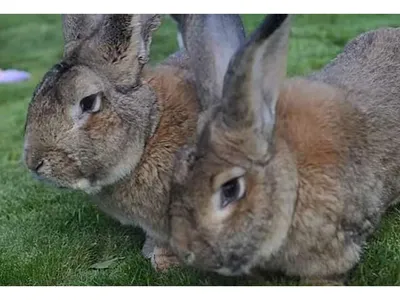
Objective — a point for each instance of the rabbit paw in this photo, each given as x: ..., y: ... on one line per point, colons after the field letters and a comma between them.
x: 162, y: 259
x: 148, y: 247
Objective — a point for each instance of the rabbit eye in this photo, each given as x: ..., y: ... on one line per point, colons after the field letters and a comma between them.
x: 90, y: 103
x: 232, y: 190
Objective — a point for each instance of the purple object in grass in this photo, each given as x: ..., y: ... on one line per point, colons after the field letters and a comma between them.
x: 13, y: 76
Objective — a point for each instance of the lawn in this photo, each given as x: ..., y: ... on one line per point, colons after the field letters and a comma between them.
x: 52, y: 237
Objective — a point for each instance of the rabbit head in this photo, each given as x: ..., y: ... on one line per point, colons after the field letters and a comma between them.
x: 90, y: 115
x: 235, y: 189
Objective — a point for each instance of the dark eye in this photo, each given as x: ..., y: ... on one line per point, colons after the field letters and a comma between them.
x: 232, y: 190
x: 90, y: 103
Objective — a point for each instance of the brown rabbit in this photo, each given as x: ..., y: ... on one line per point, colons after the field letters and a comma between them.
x: 292, y: 175
x: 102, y: 122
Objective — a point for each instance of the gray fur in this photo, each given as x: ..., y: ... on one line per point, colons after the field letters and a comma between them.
x: 79, y: 27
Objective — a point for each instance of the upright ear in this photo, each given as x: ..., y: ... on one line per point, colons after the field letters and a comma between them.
x: 253, y: 80
x: 150, y: 23
x: 210, y: 41
x: 78, y: 27
x: 120, y: 47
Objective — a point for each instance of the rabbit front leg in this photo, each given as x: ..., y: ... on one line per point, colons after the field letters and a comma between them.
x: 148, y: 247
x: 161, y: 257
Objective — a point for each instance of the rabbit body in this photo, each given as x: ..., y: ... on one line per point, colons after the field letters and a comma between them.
x: 347, y: 156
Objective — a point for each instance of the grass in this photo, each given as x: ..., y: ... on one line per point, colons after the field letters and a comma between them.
x: 49, y: 237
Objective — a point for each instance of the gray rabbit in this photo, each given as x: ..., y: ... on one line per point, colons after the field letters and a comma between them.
x: 104, y: 122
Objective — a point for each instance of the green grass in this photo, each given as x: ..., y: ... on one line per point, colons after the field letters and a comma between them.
x: 49, y: 237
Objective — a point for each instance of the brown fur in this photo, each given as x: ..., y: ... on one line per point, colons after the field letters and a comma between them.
x: 178, y: 108
x: 309, y: 117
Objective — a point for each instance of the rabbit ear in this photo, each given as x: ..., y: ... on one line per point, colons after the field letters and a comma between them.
x: 78, y: 27
x: 149, y: 23
x: 210, y: 41
x: 120, y: 47
x: 253, y: 80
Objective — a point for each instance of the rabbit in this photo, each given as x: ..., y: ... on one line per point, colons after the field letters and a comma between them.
x: 291, y: 175
x: 102, y: 121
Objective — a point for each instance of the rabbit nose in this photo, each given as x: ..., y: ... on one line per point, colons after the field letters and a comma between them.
x: 33, y: 163
x: 39, y: 165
